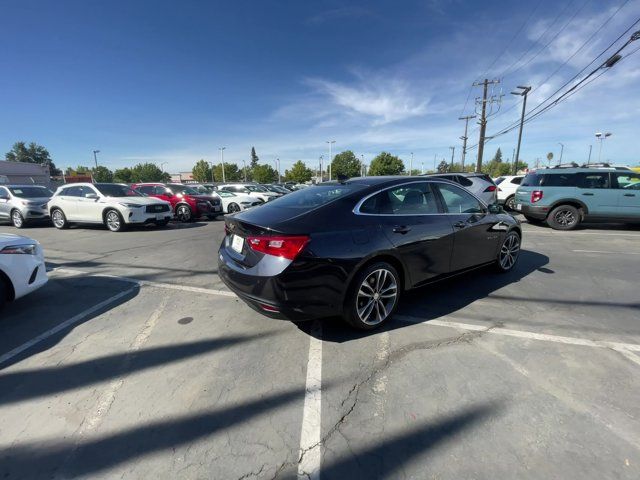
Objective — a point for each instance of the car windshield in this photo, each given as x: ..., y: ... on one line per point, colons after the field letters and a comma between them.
x: 31, y: 192
x: 314, y: 196
x: 116, y: 190
x: 256, y: 188
x: 184, y: 189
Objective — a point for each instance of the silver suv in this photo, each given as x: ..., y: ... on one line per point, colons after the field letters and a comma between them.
x: 480, y: 184
x: 24, y: 203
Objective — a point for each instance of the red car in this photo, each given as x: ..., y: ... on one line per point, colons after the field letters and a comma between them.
x: 188, y: 204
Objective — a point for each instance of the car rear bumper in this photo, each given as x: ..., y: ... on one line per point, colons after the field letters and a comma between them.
x: 533, y: 211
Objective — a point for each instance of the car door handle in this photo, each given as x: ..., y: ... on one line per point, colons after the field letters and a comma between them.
x: 629, y: 194
x: 588, y: 194
x: 460, y: 224
x: 401, y: 229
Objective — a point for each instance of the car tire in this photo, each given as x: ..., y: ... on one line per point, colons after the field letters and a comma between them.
x: 114, y: 221
x: 510, y: 203
x: 564, y: 217
x: 17, y: 219
x: 374, y: 296
x: 59, y: 219
x: 184, y: 213
x: 233, y: 208
x: 509, y: 252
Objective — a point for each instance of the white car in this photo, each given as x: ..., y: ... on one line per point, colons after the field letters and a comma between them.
x: 112, y: 204
x: 507, y: 187
x: 22, y: 268
x: 255, y: 191
x: 236, y: 202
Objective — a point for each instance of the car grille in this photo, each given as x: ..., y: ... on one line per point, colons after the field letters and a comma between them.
x: 157, y: 208
x: 214, y: 202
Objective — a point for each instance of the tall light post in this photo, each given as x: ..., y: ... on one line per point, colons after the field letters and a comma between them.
x: 244, y: 167
x: 561, y: 151
x: 321, y: 175
x: 523, y: 93
x: 601, y: 136
x: 330, y: 142
x: 276, y: 163
x: 364, y: 168
x: 453, y: 150
x: 222, y: 149
x: 422, y: 168
x: 411, y: 164
x: 589, y: 157
x: 95, y: 157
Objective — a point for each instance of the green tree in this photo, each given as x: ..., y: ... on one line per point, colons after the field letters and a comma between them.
x: 148, y: 172
x: 201, y: 171
x: 102, y: 174
x: 33, y: 153
x: 254, y: 158
x: 299, y: 173
x: 347, y: 164
x: 443, y: 167
x: 549, y: 157
x: 386, y: 164
x: 264, y: 174
x: 231, y: 172
x: 123, y: 175
x: 498, y: 156
x: 416, y: 172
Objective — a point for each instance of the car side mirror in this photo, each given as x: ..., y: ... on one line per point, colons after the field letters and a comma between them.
x: 494, y: 208
x: 92, y: 196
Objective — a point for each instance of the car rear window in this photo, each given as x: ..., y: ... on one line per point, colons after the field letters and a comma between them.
x: 516, y: 180
x: 313, y: 196
x: 465, y: 182
x: 31, y: 192
x: 499, y: 180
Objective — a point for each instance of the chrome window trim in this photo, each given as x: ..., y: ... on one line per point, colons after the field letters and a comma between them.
x: 356, y: 209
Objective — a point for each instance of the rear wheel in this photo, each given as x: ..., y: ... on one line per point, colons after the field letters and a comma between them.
x: 509, y: 252
x: 17, y: 219
x: 183, y: 213
x: 564, y: 217
x: 374, y: 296
x: 233, y: 207
x: 114, y: 221
x: 510, y: 203
x: 59, y: 219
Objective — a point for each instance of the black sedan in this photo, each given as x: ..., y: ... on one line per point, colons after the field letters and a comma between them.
x: 350, y: 248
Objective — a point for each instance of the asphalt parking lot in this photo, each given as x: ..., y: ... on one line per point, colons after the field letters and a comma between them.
x: 134, y: 361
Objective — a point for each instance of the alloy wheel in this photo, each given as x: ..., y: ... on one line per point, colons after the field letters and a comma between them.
x: 377, y: 296
x: 509, y: 251
x: 511, y: 203
x: 233, y: 208
x: 113, y: 221
x: 565, y: 218
x: 183, y: 213
x: 58, y: 218
x: 16, y: 218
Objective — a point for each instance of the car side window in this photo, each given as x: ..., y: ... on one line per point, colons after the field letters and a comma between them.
x: 146, y: 189
x: 593, y: 180
x: 4, y: 193
x: 464, y: 181
x: 627, y: 180
x: 408, y: 199
x: 458, y: 200
x: 72, y: 192
x: 516, y: 181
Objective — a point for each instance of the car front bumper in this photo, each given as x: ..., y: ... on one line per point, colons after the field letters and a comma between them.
x: 26, y: 272
x: 141, y: 217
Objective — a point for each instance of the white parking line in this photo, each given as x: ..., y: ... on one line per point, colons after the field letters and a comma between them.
x: 310, y: 436
x: 563, y: 234
x: 61, y: 326
x: 148, y: 283
x: 604, y: 252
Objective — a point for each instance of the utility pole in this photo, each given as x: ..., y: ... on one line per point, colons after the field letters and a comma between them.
x: 589, y: 159
x: 364, y: 168
x: 330, y: 142
x: 464, y: 138
x: 524, y: 92
x: 224, y: 180
x: 95, y: 157
x: 483, y: 117
x: 321, y: 173
x: 453, y: 149
x: 244, y: 167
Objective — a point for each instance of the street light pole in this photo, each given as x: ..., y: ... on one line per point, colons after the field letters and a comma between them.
x: 453, y: 149
x: 561, y: 151
x: 601, y: 136
x: 364, y: 170
x: 525, y: 91
x: 224, y: 179
x: 589, y: 158
x: 95, y: 157
x: 244, y: 165
x: 411, y: 165
x: 330, y: 142
x: 464, y: 138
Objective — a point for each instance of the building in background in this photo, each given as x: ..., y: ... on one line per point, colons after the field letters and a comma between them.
x: 24, y: 173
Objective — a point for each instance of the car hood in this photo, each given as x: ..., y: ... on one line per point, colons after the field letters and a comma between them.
x: 13, y: 239
x: 37, y: 200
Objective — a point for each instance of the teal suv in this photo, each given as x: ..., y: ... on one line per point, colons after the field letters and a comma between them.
x: 564, y: 197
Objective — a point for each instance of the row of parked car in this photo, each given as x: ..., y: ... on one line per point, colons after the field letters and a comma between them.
x: 116, y: 205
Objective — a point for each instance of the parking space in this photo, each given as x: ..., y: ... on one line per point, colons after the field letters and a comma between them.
x: 134, y: 361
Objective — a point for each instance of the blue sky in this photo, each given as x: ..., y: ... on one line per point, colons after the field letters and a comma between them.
x: 171, y: 81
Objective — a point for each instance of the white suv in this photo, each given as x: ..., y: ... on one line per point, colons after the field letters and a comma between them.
x: 507, y: 187
x: 255, y: 191
x: 112, y: 204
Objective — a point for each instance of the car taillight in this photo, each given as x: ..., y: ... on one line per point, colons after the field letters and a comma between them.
x: 490, y: 188
x: 536, y: 196
x: 279, y: 246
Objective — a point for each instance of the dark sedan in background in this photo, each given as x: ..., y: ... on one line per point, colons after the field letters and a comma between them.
x: 350, y: 248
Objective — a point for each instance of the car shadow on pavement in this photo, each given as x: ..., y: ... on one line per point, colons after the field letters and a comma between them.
x: 439, y: 299
x: 58, y: 307
x: 24, y: 385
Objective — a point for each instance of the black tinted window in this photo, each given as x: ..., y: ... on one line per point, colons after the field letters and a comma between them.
x: 72, y: 192
x: 465, y: 182
x: 515, y: 181
x: 458, y: 200
x: 30, y: 192
x: 593, y: 180
x: 559, y: 180
x: 146, y: 189
x: 312, y: 197
x: 411, y: 199
x: 531, y: 179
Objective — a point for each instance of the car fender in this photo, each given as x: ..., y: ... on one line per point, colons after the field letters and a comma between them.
x: 576, y: 201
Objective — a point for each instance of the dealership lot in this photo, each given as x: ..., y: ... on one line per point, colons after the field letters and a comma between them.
x: 135, y: 361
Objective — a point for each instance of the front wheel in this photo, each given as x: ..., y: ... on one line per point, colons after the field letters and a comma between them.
x: 59, y: 219
x: 183, y: 213
x: 233, y: 208
x: 17, y: 219
x: 509, y: 252
x: 564, y: 217
x: 114, y: 221
x: 374, y: 296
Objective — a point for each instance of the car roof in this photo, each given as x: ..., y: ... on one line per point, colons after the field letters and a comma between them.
x: 462, y: 174
x: 14, y: 185
x: 384, y: 180
x: 573, y: 170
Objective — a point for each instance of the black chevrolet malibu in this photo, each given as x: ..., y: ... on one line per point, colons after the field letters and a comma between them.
x: 350, y: 248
